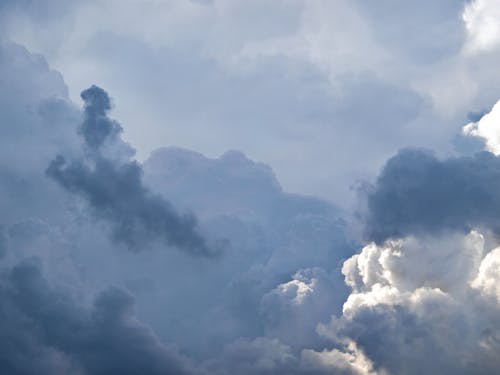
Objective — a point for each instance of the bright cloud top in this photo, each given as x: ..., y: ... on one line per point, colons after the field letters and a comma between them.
x: 424, y: 305
x: 487, y: 128
x: 482, y: 21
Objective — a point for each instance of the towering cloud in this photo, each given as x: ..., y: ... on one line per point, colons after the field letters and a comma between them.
x: 424, y: 295
x: 290, y: 295
x: 112, y: 185
x: 423, y: 306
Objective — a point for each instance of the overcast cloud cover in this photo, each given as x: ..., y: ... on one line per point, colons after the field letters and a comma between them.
x: 249, y: 187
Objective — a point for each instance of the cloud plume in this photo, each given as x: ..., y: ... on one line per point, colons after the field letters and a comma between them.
x: 114, y: 189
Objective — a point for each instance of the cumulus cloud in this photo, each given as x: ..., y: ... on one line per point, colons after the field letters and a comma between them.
x: 424, y: 296
x: 260, y: 356
x: 427, y: 285
x: 45, y: 331
x: 272, y: 234
x: 114, y: 188
x: 269, y: 356
x: 487, y: 128
x: 311, y: 296
x: 482, y: 23
x: 487, y: 277
x: 36, y: 122
x: 418, y: 193
x: 416, y: 299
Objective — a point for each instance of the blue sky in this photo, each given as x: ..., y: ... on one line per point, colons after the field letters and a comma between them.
x: 249, y: 187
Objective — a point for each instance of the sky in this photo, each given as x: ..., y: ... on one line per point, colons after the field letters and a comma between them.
x: 297, y: 187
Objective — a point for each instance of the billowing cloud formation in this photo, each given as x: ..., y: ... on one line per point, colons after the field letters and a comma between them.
x: 273, y: 235
x: 481, y: 19
x: 418, y: 193
x: 217, y: 312
x: 487, y: 127
x: 45, y: 332
x: 114, y: 188
x: 427, y: 284
x: 424, y: 295
x: 423, y: 306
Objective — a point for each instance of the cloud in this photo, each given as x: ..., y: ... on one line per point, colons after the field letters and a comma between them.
x: 272, y: 234
x: 427, y: 285
x: 482, y: 25
x: 200, y: 307
x: 311, y: 296
x: 46, y: 332
x: 3, y: 242
x: 114, y: 189
x: 261, y: 356
x: 97, y: 127
x: 417, y: 193
x: 487, y: 128
x: 423, y: 306
x: 348, y: 361
x: 36, y: 122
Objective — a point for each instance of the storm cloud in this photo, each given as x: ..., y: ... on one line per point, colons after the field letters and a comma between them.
x: 46, y: 332
x: 418, y: 193
x: 114, y: 188
x: 301, y: 289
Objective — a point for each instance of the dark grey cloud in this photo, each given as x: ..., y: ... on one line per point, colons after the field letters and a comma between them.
x: 97, y: 127
x: 418, y: 193
x: 137, y: 216
x: 398, y: 340
x: 114, y: 189
x: 45, y: 332
x: 272, y: 234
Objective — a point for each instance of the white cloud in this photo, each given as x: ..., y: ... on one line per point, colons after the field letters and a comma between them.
x: 423, y: 305
x: 487, y: 128
x: 482, y: 21
x: 488, y: 278
x: 350, y: 361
